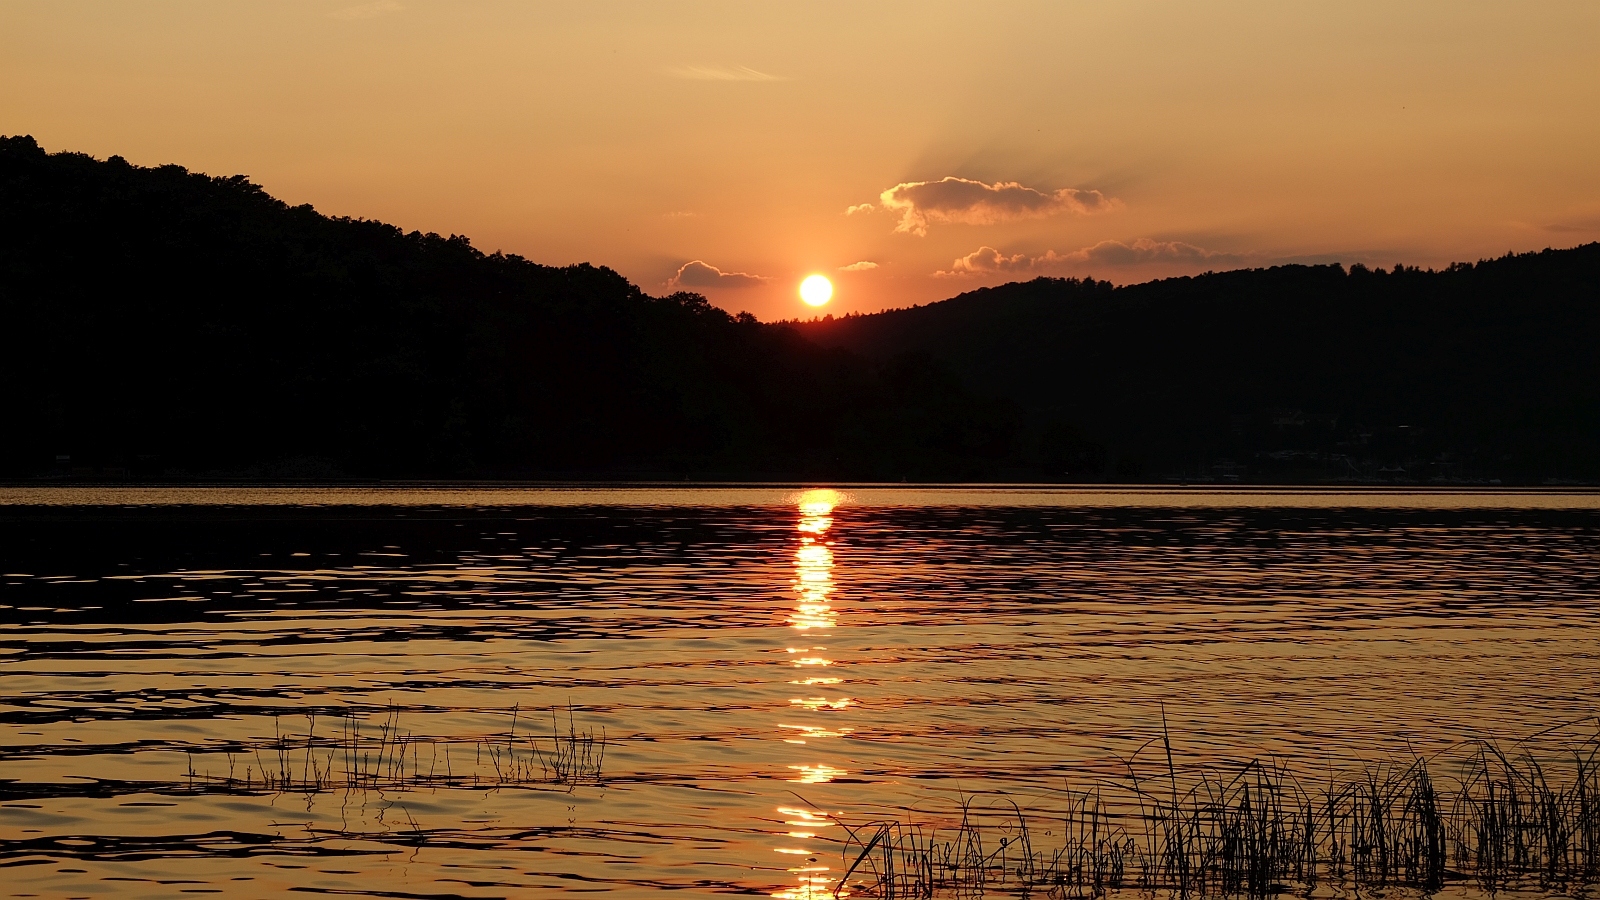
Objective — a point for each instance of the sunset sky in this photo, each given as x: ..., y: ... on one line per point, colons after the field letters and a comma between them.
x: 908, y: 151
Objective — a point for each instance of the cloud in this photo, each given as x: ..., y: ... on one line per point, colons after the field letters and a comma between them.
x: 700, y: 274
x: 860, y: 208
x: 1143, y: 250
x: 1575, y: 226
x: 722, y: 73
x: 988, y: 261
x: 366, y: 10
x: 862, y: 266
x: 975, y: 203
x: 985, y: 260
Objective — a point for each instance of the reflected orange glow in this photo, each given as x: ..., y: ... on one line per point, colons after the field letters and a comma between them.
x: 814, y: 561
x: 813, y: 609
x: 809, y: 817
x: 821, y: 773
x: 811, y: 887
x: 823, y: 702
x: 819, y: 502
x: 809, y: 732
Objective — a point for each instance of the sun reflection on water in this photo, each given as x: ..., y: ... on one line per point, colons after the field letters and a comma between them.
x: 822, y: 702
x: 813, y: 611
x: 811, y: 887
x: 812, y: 881
x: 814, y: 731
x: 814, y: 583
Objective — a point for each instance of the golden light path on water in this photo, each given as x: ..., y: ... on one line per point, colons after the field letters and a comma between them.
x: 812, y: 618
x: 772, y: 672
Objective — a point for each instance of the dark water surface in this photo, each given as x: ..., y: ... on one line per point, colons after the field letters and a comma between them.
x: 763, y: 664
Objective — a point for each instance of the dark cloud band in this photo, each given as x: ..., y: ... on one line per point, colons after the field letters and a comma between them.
x: 959, y: 200
x: 988, y: 260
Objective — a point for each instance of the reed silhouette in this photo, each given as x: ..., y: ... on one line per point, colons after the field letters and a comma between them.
x: 383, y: 756
x: 1484, y: 814
x: 1494, y: 817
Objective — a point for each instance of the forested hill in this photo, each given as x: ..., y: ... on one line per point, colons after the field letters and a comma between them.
x: 1295, y: 373
x: 162, y: 323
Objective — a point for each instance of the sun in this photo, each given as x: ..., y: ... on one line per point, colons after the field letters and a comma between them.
x: 816, y: 290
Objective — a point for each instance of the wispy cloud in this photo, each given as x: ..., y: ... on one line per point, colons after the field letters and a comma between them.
x: 976, y: 203
x: 862, y: 266
x: 860, y: 208
x: 367, y: 10
x: 1590, y: 225
x: 1144, y: 250
x: 988, y: 260
x: 722, y: 73
x: 700, y: 274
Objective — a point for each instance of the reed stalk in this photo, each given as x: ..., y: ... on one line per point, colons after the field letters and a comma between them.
x: 381, y: 755
x: 1480, y: 814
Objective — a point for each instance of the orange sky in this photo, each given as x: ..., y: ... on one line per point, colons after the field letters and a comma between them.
x: 992, y: 141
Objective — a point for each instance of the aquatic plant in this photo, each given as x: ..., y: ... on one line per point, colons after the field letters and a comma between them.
x: 1256, y: 828
x: 359, y: 755
x: 575, y: 757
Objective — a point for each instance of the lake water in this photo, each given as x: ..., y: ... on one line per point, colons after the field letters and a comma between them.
x: 763, y: 666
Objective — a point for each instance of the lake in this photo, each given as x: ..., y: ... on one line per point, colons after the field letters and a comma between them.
x: 439, y: 692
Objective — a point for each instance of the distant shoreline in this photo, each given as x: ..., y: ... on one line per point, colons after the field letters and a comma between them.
x: 785, y: 494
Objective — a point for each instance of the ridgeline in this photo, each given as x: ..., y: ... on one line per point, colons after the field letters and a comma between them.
x: 166, y: 324
x: 1295, y: 374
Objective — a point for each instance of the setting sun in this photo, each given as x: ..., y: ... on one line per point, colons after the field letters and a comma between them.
x: 816, y: 290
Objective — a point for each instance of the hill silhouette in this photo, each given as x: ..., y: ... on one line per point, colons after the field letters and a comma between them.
x: 167, y: 324
x: 1479, y: 372
x: 162, y: 323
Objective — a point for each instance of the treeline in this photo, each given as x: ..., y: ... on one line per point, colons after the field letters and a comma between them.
x: 1479, y: 372
x: 162, y: 323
